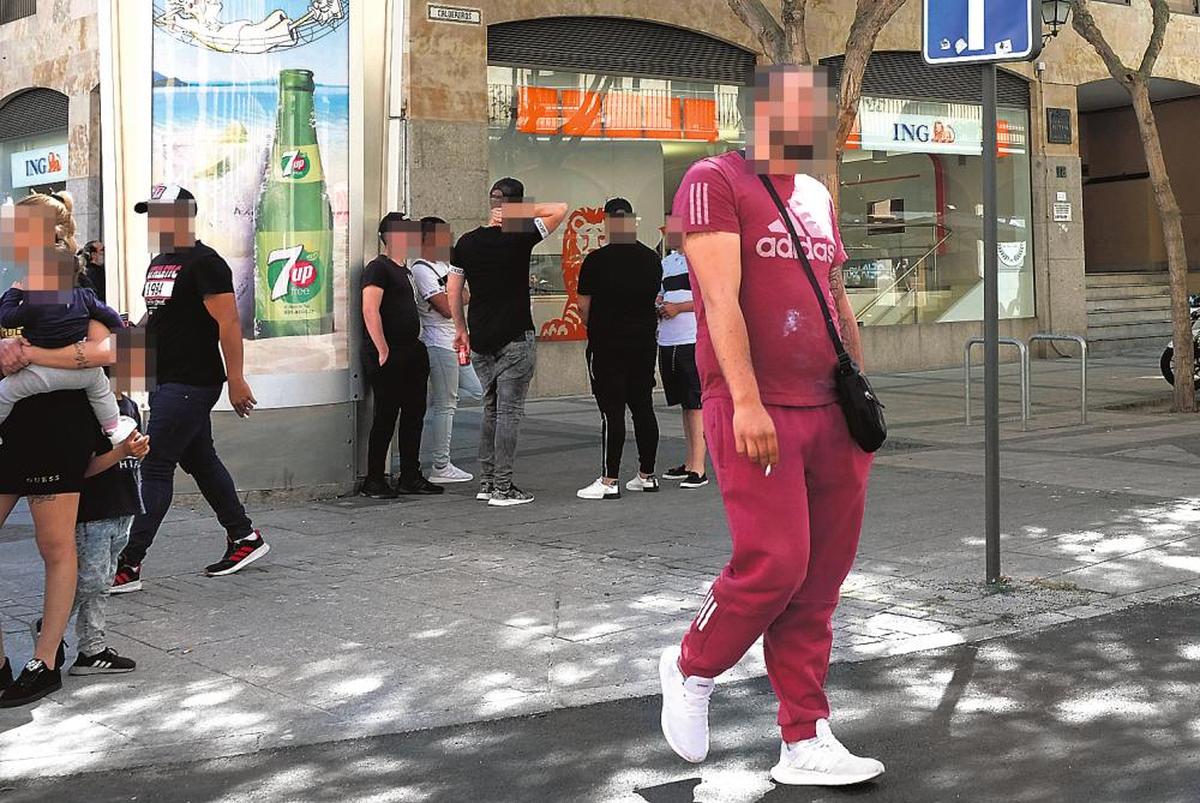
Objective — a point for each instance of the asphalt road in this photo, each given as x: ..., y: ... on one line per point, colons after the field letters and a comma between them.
x: 1107, y: 709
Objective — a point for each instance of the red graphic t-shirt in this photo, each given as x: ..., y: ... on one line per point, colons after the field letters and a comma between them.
x: 793, y: 358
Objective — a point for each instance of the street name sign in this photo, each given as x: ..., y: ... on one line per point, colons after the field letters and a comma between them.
x: 974, y: 31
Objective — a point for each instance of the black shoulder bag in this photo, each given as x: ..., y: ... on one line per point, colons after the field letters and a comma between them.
x: 863, y: 410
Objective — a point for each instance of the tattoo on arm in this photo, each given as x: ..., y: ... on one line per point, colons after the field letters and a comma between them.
x: 36, y: 499
x: 837, y: 284
x: 81, y: 360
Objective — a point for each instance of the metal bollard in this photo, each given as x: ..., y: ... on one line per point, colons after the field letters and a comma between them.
x: 1083, y: 360
x: 1024, y: 365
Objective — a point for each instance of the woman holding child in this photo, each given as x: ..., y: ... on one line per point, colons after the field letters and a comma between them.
x: 51, y: 441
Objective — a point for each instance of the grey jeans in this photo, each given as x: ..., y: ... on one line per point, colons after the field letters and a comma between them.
x: 98, y: 544
x: 35, y: 379
x: 448, y: 382
x: 505, y: 377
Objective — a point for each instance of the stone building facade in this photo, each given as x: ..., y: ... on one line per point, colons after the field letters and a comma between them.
x: 50, y: 96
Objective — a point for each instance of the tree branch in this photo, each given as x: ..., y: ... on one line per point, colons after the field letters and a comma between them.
x: 869, y: 19
x: 1085, y: 25
x: 795, y: 37
x: 1162, y: 16
x: 760, y: 22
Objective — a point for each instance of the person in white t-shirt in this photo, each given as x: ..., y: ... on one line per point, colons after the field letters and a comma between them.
x: 677, y: 358
x: 448, y: 379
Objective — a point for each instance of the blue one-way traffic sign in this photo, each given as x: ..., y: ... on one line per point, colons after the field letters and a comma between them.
x: 966, y: 31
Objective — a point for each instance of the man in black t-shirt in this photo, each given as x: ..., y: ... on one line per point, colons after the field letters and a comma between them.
x: 618, y: 289
x: 193, y: 324
x: 498, y: 329
x: 395, y: 360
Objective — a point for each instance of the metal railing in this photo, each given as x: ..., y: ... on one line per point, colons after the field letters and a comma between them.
x: 1023, y: 351
x: 1047, y: 337
x: 912, y: 269
x: 1026, y: 371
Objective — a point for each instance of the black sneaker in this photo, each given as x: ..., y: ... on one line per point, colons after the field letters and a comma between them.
x: 485, y: 491
x: 35, y: 682
x: 127, y: 579
x: 61, y: 655
x: 509, y: 497
x: 694, y: 480
x: 105, y: 662
x: 5, y: 675
x: 677, y: 473
x: 240, y: 554
x: 378, y: 489
x: 418, y: 486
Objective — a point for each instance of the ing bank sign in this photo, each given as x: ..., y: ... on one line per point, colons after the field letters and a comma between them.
x: 40, y: 166
x: 907, y: 126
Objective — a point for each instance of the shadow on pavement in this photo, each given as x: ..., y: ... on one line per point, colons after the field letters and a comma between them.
x: 1104, y: 709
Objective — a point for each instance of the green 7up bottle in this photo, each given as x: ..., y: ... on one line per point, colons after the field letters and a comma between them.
x: 293, y: 240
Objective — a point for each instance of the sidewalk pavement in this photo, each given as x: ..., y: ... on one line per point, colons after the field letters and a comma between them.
x: 1103, y: 710
x: 372, y: 618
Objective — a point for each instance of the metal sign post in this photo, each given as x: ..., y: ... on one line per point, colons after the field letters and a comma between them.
x: 986, y: 32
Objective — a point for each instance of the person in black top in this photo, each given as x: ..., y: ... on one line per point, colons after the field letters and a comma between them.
x: 91, y: 273
x: 193, y: 321
x: 618, y: 290
x: 498, y: 329
x: 395, y: 361
x: 107, y: 504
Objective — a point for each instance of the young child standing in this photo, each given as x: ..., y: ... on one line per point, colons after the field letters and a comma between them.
x: 107, y: 504
x: 53, y: 315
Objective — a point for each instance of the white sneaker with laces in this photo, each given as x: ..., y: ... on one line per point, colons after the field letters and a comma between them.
x: 125, y: 428
x: 449, y: 474
x: 822, y: 761
x: 644, y: 484
x: 684, y: 708
x: 599, y: 490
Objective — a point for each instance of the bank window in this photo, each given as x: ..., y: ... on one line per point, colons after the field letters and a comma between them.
x: 13, y: 10
x: 585, y: 138
x: 911, y: 213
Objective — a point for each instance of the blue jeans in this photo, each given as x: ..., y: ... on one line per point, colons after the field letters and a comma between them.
x: 99, y: 545
x: 505, y: 377
x: 448, y: 381
x: 180, y: 431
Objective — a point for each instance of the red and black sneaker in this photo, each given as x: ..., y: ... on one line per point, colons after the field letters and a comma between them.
x: 240, y: 554
x: 127, y: 579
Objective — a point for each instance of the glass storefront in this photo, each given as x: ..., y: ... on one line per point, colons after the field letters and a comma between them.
x: 911, y: 206
x: 582, y: 139
x: 911, y: 213
x: 36, y: 163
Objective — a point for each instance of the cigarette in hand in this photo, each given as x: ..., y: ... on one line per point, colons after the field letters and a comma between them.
x: 767, y: 473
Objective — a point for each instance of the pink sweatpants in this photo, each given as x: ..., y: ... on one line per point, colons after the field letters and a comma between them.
x: 795, y: 534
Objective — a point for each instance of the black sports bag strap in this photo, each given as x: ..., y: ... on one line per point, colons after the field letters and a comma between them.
x: 843, y: 357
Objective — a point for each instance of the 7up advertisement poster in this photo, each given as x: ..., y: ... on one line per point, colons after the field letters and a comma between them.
x: 251, y: 113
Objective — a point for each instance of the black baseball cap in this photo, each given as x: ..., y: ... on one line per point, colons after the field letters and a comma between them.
x: 164, y: 194
x: 618, y: 207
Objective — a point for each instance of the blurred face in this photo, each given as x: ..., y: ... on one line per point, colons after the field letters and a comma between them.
x: 511, y: 214
x: 98, y: 254
x: 172, y: 225
x: 436, y: 246
x: 794, y: 125
x: 27, y: 243
x: 621, y: 228
x: 402, y: 240
x: 674, y: 233
x: 131, y: 373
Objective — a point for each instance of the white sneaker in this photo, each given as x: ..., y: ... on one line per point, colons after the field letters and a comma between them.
x: 449, y: 474
x: 125, y: 428
x: 684, y: 708
x: 640, y: 483
x: 822, y: 761
x: 599, y: 490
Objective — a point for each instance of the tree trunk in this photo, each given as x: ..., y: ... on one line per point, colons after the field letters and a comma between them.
x: 1172, y: 225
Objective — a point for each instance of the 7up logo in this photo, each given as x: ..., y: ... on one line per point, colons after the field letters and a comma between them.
x: 292, y: 274
x: 294, y: 164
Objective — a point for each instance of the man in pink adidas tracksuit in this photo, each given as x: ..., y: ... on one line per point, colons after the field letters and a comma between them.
x: 793, y: 481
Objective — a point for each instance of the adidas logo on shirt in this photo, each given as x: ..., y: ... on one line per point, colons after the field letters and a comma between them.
x: 780, y: 246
